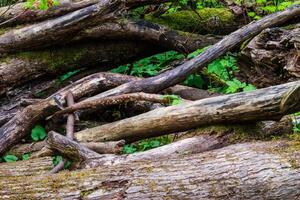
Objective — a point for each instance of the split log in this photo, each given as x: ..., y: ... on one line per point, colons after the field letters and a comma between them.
x: 174, y: 76
x: 56, y: 30
x: 265, y: 170
x: 275, y: 52
x: 263, y: 104
x: 23, y: 121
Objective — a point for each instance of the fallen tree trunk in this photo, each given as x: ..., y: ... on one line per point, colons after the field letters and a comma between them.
x: 174, y: 76
x: 263, y: 104
x: 231, y: 172
x: 23, y: 67
x: 275, y: 52
x: 26, y: 168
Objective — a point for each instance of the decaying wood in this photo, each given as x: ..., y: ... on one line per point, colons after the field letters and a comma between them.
x: 57, y: 30
x: 274, y: 50
x: 18, y: 69
x: 19, y: 14
x: 69, y: 131
x: 142, y: 39
x: 88, y: 158
x: 265, y: 170
x: 174, y: 76
x: 263, y: 104
x: 22, y: 122
x: 25, y: 168
x: 115, y: 100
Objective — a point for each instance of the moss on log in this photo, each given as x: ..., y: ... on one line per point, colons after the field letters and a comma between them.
x: 211, y: 20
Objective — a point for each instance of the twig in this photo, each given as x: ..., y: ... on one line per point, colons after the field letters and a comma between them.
x: 69, y: 131
x: 114, y: 100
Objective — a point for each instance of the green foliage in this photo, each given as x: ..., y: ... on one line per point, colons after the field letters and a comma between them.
x: 10, y: 158
x: 68, y: 75
x: 26, y: 156
x: 56, y: 159
x: 38, y: 133
x: 146, y: 144
x: 173, y: 99
x: 149, y: 66
x: 41, y: 4
x: 296, y: 127
x: 7, y: 2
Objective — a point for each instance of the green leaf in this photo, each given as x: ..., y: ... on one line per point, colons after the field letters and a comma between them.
x: 56, y: 159
x: 129, y: 149
x: 25, y: 156
x: 173, y: 99
x: 10, y: 158
x: 38, y: 133
x: 249, y: 87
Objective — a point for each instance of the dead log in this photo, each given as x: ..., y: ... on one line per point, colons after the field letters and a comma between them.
x: 110, y: 51
x: 233, y: 172
x: 25, y: 168
x: 19, y: 14
x: 174, y: 76
x: 263, y: 104
x: 274, y: 52
x: 23, y: 67
x: 57, y: 30
x: 115, y: 100
x: 88, y: 158
x: 17, y: 128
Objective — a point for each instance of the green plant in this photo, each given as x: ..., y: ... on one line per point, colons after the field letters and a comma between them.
x: 56, y: 159
x: 69, y: 74
x: 26, y: 156
x: 38, y: 133
x: 41, y: 4
x: 296, y: 124
x: 146, y: 144
x: 10, y: 158
x: 149, y: 66
x: 173, y: 99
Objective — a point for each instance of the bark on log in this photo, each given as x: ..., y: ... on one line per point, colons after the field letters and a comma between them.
x: 19, y: 14
x: 23, y: 121
x: 87, y: 158
x: 275, y: 52
x: 266, y: 170
x: 115, y: 100
x: 174, y: 76
x: 263, y: 104
x: 25, y: 168
x: 141, y: 37
x: 23, y: 67
x: 56, y: 30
